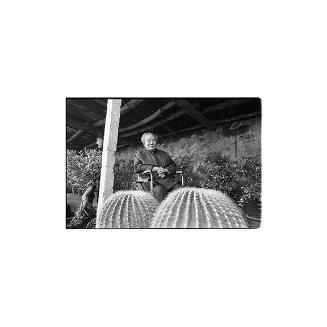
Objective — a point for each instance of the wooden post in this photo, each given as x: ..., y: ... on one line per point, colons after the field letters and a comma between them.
x: 108, y: 152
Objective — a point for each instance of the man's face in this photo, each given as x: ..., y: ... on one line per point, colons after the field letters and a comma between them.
x: 150, y: 142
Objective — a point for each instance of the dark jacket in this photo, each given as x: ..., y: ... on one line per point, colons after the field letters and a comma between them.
x: 146, y: 160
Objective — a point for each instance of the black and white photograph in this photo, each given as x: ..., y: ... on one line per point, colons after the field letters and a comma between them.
x: 163, y: 163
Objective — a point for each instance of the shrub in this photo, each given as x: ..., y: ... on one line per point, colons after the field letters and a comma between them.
x: 123, y: 175
x: 220, y: 173
x: 83, y: 167
x: 240, y: 180
x: 190, y: 174
x: 250, y: 174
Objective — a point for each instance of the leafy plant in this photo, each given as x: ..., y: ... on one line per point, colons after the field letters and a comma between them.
x: 220, y: 173
x: 123, y: 175
x: 240, y: 180
x: 250, y: 173
x: 187, y: 165
x: 83, y: 167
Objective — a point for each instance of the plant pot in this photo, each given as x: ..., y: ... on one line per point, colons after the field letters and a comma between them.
x: 74, y: 189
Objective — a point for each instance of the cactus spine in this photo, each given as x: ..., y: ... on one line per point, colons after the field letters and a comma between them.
x: 127, y: 209
x: 198, y: 208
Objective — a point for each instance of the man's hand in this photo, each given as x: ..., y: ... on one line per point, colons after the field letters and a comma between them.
x: 160, y: 170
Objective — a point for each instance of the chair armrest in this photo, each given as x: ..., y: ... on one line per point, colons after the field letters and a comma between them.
x: 141, y: 176
x: 139, y: 179
x: 146, y: 172
x: 181, y: 173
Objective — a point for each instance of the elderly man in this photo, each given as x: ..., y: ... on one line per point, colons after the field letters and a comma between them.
x: 159, y: 162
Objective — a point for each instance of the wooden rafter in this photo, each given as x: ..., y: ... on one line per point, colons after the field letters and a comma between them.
x: 162, y: 121
x: 196, y: 114
x: 79, y: 132
x: 154, y: 125
x: 101, y: 102
x: 74, y: 123
x: 125, y: 108
x: 88, y: 113
x: 77, y: 145
x: 99, y: 123
x: 169, y: 129
x: 100, y: 110
x: 83, y: 126
x: 218, y: 122
x: 82, y: 130
x: 90, y: 127
x: 147, y: 120
x: 131, y: 104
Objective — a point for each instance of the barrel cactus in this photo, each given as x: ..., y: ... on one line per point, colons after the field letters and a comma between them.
x: 127, y: 209
x: 198, y: 208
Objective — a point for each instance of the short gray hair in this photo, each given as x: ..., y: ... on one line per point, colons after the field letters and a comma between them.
x: 148, y: 133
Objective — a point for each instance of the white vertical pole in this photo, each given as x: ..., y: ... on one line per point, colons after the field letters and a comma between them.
x: 108, y: 152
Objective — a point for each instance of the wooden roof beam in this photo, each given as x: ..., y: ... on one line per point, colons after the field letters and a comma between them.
x: 218, y: 122
x: 128, y: 106
x: 82, y: 129
x: 100, y: 108
x: 88, y: 113
x: 169, y: 129
x: 196, y: 114
x: 76, y: 125
x: 101, y: 102
x: 76, y: 134
x: 124, y: 109
x: 158, y: 113
x: 133, y: 103
x: 175, y: 115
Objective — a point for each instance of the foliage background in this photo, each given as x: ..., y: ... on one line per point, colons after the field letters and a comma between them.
x: 82, y: 167
x: 241, y: 180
